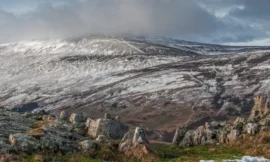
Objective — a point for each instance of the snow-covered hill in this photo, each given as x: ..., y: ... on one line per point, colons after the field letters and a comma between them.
x: 143, y: 79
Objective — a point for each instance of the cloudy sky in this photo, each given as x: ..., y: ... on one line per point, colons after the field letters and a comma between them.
x: 235, y: 22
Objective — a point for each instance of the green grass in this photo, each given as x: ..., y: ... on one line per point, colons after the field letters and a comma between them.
x: 166, y: 153
x: 170, y: 153
x: 64, y: 158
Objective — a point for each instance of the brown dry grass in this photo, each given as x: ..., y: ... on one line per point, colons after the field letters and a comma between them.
x: 40, y: 124
x: 258, y: 145
x: 35, y: 132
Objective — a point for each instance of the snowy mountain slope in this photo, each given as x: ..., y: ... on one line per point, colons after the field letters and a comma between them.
x: 201, y: 48
x: 143, y: 81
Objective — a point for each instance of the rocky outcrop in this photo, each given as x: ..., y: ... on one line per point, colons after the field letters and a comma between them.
x: 179, y: 134
x: 223, y: 132
x: 67, y: 133
x: 24, y: 142
x: 41, y: 131
x: 108, y: 127
x: 261, y: 108
x: 135, y: 143
x: 210, y: 133
x: 76, y: 118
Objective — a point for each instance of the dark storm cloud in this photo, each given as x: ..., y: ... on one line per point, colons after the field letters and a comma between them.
x: 252, y: 18
x: 172, y: 18
x: 259, y: 9
x: 205, y: 20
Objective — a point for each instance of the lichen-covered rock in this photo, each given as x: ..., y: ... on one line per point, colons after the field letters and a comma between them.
x: 124, y: 146
x: 210, y: 133
x: 136, y: 144
x: 79, y: 130
x: 47, y: 117
x: 179, y: 135
x: 24, y: 142
x: 261, y: 108
x: 77, y: 118
x: 64, y: 115
x: 265, y: 121
x: 222, y: 132
x: 265, y: 129
x: 239, y: 124
x: 134, y: 137
x: 252, y: 128
x: 140, y: 136
x: 110, y: 128
x: 234, y: 135
x: 87, y: 145
x: 102, y: 139
x: 87, y: 123
x: 188, y: 139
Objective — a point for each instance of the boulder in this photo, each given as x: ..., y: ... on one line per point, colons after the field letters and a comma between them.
x: 47, y: 117
x: 102, y: 139
x: 265, y: 121
x: 64, y: 115
x: 188, y: 139
x: 234, y: 135
x: 261, y: 108
x: 239, y: 123
x: 124, y: 146
x: 140, y: 136
x: 252, y: 128
x: 133, y: 137
x: 87, y: 145
x: 24, y: 142
x: 110, y: 128
x: 87, y: 123
x: 76, y: 118
x: 136, y: 144
x: 179, y: 135
x: 210, y: 133
x: 265, y: 129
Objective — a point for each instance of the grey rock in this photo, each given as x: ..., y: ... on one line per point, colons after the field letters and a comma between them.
x: 77, y: 118
x: 124, y: 146
x: 234, y: 135
x: 133, y: 137
x: 64, y: 115
x: 87, y: 145
x: 179, y: 135
x: 188, y: 139
x: 265, y: 121
x: 110, y: 128
x: 252, y: 128
x: 47, y: 117
x: 210, y: 133
x: 102, y: 139
x: 24, y: 142
x: 140, y: 136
